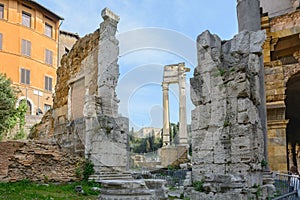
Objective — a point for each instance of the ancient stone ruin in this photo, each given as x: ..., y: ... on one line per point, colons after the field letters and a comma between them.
x: 174, y: 74
x: 228, y: 125
x: 228, y: 122
x: 37, y: 161
x: 85, y: 117
x: 227, y: 135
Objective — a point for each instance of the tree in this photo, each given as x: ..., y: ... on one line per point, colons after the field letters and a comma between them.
x: 9, y: 114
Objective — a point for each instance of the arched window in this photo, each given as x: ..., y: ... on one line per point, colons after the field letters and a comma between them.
x: 29, y: 104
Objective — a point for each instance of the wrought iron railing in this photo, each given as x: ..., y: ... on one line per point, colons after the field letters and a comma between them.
x: 283, y: 189
x: 173, y: 178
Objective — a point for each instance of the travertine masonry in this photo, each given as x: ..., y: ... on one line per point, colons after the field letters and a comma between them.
x: 227, y: 135
x: 281, y: 62
x: 85, y: 117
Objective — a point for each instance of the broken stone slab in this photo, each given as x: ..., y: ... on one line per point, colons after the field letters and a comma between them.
x: 159, y: 188
x: 133, y: 189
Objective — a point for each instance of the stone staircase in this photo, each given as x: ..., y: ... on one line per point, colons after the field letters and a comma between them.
x: 98, y: 177
x: 107, y: 173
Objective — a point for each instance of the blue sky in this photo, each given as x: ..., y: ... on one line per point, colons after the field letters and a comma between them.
x: 152, y: 33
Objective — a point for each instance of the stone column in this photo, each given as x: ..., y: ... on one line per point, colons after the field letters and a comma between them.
x: 166, y: 121
x: 108, y: 68
x: 248, y: 12
x: 182, y: 105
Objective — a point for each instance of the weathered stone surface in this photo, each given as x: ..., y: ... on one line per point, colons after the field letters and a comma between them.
x: 248, y: 12
x: 174, y: 156
x: 37, y: 161
x: 85, y: 117
x: 159, y: 188
x: 280, y: 24
x: 175, y: 73
x: 227, y: 135
x: 125, y: 189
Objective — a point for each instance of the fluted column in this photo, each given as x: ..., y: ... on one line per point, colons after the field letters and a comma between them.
x: 166, y: 121
x: 182, y: 105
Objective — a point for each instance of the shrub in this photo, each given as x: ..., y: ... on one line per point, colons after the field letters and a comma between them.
x: 198, y: 186
x: 88, y: 169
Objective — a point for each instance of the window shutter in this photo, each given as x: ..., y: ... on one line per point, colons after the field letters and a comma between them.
x: 50, y: 84
x: 0, y: 41
x: 48, y: 57
x: 22, y: 76
x: 46, y: 80
x: 1, y: 11
x: 23, y: 47
x: 26, y: 19
x: 29, y: 48
x: 28, y: 77
x: 48, y: 30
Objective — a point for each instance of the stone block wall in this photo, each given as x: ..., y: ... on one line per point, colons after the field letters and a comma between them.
x: 85, y: 118
x: 173, y: 156
x: 227, y: 134
x: 282, y: 33
x: 285, y: 22
x: 37, y: 161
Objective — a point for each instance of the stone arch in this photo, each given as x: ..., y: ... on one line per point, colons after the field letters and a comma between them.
x: 30, y: 104
x: 292, y: 113
x: 290, y: 71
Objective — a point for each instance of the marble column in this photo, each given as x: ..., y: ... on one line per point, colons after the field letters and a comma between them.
x: 182, y: 105
x: 166, y: 121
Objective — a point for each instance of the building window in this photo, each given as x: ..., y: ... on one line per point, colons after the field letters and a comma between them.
x: 46, y: 107
x: 1, y: 11
x: 48, y: 57
x: 1, y: 41
x: 48, y: 83
x: 26, y: 19
x: 29, y: 106
x: 26, y: 47
x: 25, y: 76
x: 48, y: 30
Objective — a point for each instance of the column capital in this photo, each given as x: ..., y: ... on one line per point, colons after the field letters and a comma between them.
x: 165, y: 86
x: 108, y: 14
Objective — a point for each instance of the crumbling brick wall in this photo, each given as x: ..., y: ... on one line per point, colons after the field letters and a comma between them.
x: 37, y: 161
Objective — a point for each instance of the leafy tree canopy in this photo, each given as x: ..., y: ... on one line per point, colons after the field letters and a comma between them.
x: 9, y: 114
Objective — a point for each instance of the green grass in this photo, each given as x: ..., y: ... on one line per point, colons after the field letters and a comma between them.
x: 26, y: 190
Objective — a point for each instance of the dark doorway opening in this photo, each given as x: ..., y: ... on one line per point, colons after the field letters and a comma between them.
x: 292, y: 103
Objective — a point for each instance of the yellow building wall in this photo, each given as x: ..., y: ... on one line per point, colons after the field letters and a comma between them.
x: 11, y: 59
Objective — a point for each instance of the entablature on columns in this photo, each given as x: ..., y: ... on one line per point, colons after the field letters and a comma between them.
x: 173, y: 73
x: 283, y: 38
x: 277, y: 124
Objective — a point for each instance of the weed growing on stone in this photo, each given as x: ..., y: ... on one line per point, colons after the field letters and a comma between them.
x: 264, y: 163
x: 88, y: 169
x: 198, y: 186
x: 226, y: 123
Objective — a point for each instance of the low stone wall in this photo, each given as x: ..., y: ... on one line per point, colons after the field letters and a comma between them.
x: 173, y: 156
x: 36, y: 161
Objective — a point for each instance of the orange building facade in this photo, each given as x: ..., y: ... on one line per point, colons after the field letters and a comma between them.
x: 29, y: 36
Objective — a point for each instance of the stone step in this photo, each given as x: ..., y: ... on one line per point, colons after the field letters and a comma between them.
x: 111, y: 176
